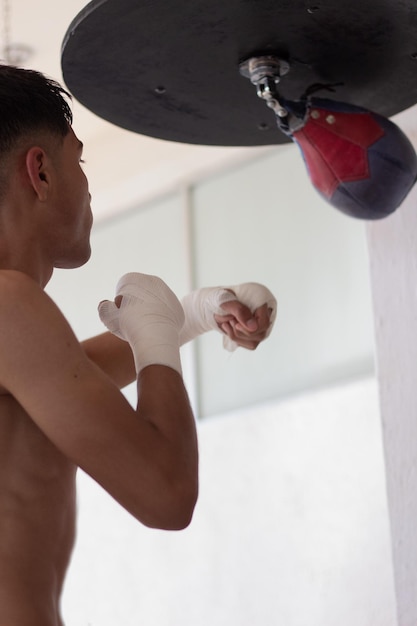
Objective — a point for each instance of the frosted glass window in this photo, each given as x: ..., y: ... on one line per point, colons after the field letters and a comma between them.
x: 261, y: 221
x: 264, y: 222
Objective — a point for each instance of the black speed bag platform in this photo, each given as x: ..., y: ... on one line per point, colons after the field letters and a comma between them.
x: 170, y: 69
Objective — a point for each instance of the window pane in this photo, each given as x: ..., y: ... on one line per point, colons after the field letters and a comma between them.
x: 264, y: 222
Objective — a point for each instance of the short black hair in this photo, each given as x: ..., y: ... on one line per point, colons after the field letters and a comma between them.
x: 30, y: 102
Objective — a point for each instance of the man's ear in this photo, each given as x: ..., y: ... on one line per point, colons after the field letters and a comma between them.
x: 37, y: 170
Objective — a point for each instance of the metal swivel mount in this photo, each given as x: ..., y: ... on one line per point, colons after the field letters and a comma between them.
x: 265, y: 73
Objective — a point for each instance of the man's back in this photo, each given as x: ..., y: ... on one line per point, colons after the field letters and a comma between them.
x: 37, y: 515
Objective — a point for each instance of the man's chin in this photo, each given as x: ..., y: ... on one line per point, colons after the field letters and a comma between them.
x: 71, y: 264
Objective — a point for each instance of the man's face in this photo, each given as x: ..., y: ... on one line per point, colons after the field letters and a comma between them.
x: 73, y: 217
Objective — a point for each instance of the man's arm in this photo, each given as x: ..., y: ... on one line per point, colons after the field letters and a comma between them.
x: 244, y: 313
x: 113, y: 356
x: 146, y: 459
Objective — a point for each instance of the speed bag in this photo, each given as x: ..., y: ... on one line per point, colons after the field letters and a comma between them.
x: 359, y: 161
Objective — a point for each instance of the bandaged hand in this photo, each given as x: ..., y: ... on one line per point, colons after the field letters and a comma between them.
x: 244, y: 313
x: 149, y: 318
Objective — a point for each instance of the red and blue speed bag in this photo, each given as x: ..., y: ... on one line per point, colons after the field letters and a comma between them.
x: 359, y: 161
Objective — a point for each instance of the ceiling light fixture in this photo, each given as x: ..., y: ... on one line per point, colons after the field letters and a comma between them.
x: 12, y: 53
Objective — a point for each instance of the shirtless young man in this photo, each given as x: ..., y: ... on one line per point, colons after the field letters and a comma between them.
x: 60, y: 401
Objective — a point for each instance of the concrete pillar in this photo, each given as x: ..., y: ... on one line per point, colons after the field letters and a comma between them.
x: 393, y: 260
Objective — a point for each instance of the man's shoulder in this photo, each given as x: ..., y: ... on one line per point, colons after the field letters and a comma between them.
x: 33, y: 332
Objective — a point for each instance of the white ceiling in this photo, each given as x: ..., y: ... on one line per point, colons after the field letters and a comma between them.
x: 42, y: 25
x: 123, y: 167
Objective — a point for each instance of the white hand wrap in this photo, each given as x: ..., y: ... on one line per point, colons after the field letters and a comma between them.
x: 200, y: 307
x: 150, y: 318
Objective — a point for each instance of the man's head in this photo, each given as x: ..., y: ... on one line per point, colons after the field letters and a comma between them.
x: 43, y: 189
x: 29, y: 103
x: 31, y: 106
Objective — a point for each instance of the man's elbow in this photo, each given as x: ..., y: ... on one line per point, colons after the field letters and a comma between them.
x: 179, y: 512
x: 172, y: 509
x: 181, y: 519
x: 181, y: 494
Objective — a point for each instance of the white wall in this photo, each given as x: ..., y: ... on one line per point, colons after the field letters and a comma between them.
x: 291, y: 528
x: 392, y: 245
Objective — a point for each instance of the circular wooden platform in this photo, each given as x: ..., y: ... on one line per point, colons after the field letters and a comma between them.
x: 171, y: 69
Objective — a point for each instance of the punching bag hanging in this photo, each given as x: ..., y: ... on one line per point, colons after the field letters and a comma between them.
x: 359, y: 161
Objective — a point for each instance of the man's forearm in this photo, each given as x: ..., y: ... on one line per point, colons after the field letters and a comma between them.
x: 113, y: 356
